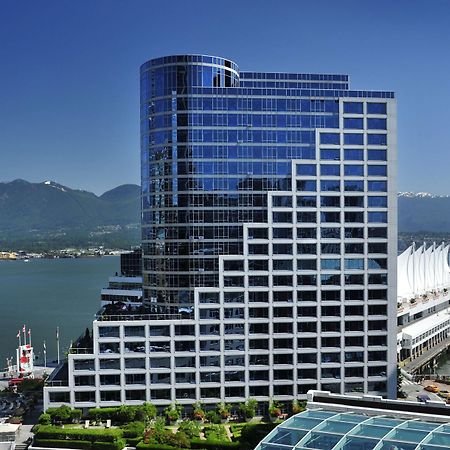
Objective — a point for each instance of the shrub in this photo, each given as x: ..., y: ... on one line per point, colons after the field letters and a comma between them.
x: 57, y: 443
x: 124, y: 414
x: 173, y: 411
x: 216, y: 433
x: 133, y: 429
x: 224, y: 409
x: 215, y: 445
x: 92, y: 435
x: 190, y: 428
x: 198, y: 411
x: 142, y: 446
x: 275, y: 408
x: 133, y: 442
x: 213, y: 417
x: 45, y: 419
x: 252, y: 434
x: 117, y: 445
x: 61, y: 414
x: 248, y: 409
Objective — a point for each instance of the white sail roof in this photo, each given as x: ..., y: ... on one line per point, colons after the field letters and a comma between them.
x: 422, y: 269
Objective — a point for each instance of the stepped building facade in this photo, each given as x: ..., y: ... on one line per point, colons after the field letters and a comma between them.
x: 269, y: 243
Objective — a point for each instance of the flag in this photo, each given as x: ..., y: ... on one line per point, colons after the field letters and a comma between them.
x: 57, y: 332
x: 23, y: 328
x: 29, y: 331
x: 45, y: 347
x: 18, y: 334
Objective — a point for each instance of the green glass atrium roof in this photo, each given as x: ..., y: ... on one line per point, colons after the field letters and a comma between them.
x: 321, y: 429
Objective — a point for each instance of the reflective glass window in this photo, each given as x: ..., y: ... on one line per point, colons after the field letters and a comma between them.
x: 376, y: 108
x: 376, y: 124
x: 353, y: 123
x: 354, y: 170
x: 330, y: 138
x: 306, y: 169
x: 378, y: 171
x: 330, y: 170
x: 376, y: 139
x: 330, y: 154
x: 353, y: 139
x: 376, y: 155
x: 353, y: 107
x: 353, y: 155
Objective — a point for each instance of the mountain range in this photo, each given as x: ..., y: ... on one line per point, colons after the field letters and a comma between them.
x: 48, y: 214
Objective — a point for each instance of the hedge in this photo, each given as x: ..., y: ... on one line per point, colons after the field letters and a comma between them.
x: 214, y: 445
x: 117, y: 445
x: 79, y: 434
x: 142, y: 446
x: 58, y: 443
x: 133, y: 442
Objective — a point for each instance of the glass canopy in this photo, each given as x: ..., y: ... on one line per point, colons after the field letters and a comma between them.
x: 330, y: 430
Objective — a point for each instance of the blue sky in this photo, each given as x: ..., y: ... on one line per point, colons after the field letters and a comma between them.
x: 69, y: 74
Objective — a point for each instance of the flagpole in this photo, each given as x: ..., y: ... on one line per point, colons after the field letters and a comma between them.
x: 29, y: 335
x: 45, y: 356
x: 57, y: 342
x: 24, y: 335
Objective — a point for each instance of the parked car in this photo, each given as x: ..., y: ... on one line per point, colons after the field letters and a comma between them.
x: 432, y: 388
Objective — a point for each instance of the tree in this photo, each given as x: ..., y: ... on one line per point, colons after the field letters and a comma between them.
x: 248, y: 409
x: 400, y: 392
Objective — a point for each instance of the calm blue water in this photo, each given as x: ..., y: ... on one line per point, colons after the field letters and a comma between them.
x: 46, y: 293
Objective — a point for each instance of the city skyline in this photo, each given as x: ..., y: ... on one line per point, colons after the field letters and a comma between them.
x: 59, y: 121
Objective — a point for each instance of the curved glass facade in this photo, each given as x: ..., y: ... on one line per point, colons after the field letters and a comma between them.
x: 214, y: 141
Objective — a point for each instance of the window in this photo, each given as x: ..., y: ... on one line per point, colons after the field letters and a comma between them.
x: 306, y: 264
x: 354, y: 216
x: 306, y: 201
x: 282, y: 264
x: 376, y: 155
x: 330, y: 264
x: 354, y: 201
x: 353, y: 123
x: 377, y: 217
x: 282, y: 200
x: 330, y: 233
x: 330, y: 201
x: 282, y: 249
x: 354, y: 233
x: 353, y: 139
x: 330, y: 248
x: 354, y: 248
x: 377, y: 139
x: 354, y: 170
x: 330, y: 170
x: 377, y: 186
x: 353, y: 155
x: 108, y: 331
x: 377, y: 232
x: 258, y: 264
x: 377, y: 171
x: 354, y: 186
x: 306, y: 233
x: 282, y: 233
x: 306, y: 169
x: 353, y: 107
x: 330, y: 154
x: 354, y: 264
x: 377, y: 202
x: 377, y: 247
x: 376, y: 124
x: 306, y: 249
x: 330, y: 279
x: 306, y: 217
x: 330, y: 185
x: 282, y: 217
x: 330, y: 216
x: 306, y: 185
x: 376, y: 108
x: 330, y: 138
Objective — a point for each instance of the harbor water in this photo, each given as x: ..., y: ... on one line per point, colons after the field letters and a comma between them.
x: 49, y: 293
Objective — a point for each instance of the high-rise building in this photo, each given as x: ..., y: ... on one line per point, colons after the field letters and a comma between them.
x: 269, y: 241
